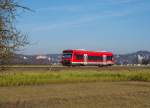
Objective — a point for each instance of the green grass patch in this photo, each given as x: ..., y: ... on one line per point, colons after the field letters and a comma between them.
x: 71, y: 76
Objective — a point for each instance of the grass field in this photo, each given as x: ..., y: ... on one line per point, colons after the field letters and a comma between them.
x: 76, y: 88
x: 21, y: 78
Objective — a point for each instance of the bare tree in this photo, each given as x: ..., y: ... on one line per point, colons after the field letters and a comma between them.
x: 10, y: 38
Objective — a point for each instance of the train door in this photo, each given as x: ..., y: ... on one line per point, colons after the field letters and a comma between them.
x: 85, y: 59
x: 104, y: 59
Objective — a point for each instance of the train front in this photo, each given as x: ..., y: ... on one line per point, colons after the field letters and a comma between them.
x: 67, y: 57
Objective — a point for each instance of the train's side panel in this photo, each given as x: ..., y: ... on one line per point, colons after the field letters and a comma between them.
x: 94, y: 58
x: 78, y: 57
x: 100, y: 61
x: 109, y: 58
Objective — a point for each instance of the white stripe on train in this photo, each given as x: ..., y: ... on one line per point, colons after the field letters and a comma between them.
x: 92, y: 63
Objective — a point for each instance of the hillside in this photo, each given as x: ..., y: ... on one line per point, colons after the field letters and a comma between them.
x: 132, y: 58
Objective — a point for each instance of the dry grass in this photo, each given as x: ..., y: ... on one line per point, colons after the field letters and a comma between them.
x: 78, y: 95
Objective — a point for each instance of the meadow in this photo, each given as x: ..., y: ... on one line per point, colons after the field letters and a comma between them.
x: 31, y: 77
x: 108, y: 87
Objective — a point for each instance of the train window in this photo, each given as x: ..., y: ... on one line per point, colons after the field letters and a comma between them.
x: 79, y: 57
x: 109, y: 57
x: 90, y: 57
x: 99, y: 58
x: 95, y: 58
x: 67, y: 55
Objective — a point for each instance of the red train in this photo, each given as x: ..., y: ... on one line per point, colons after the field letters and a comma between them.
x: 84, y: 57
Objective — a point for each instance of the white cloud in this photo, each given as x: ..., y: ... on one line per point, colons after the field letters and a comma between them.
x: 88, y: 17
x: 80, y: 21
x: 82, y: 7
x: 71, y: 8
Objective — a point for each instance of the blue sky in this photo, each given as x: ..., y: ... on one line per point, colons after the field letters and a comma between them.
x: 120, y: 26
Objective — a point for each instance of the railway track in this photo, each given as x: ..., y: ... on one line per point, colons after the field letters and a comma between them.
x: 56, y: 68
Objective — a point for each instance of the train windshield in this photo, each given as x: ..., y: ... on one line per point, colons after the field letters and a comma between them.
x: 67, y: 55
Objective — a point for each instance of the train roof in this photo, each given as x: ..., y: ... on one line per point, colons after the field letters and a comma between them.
x: 87, y: 51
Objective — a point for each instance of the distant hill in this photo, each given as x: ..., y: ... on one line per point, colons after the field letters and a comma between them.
x: 132, y: 58
x: 36, y: 59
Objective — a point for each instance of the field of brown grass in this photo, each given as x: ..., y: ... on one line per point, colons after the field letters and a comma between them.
x: 78, y: 95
